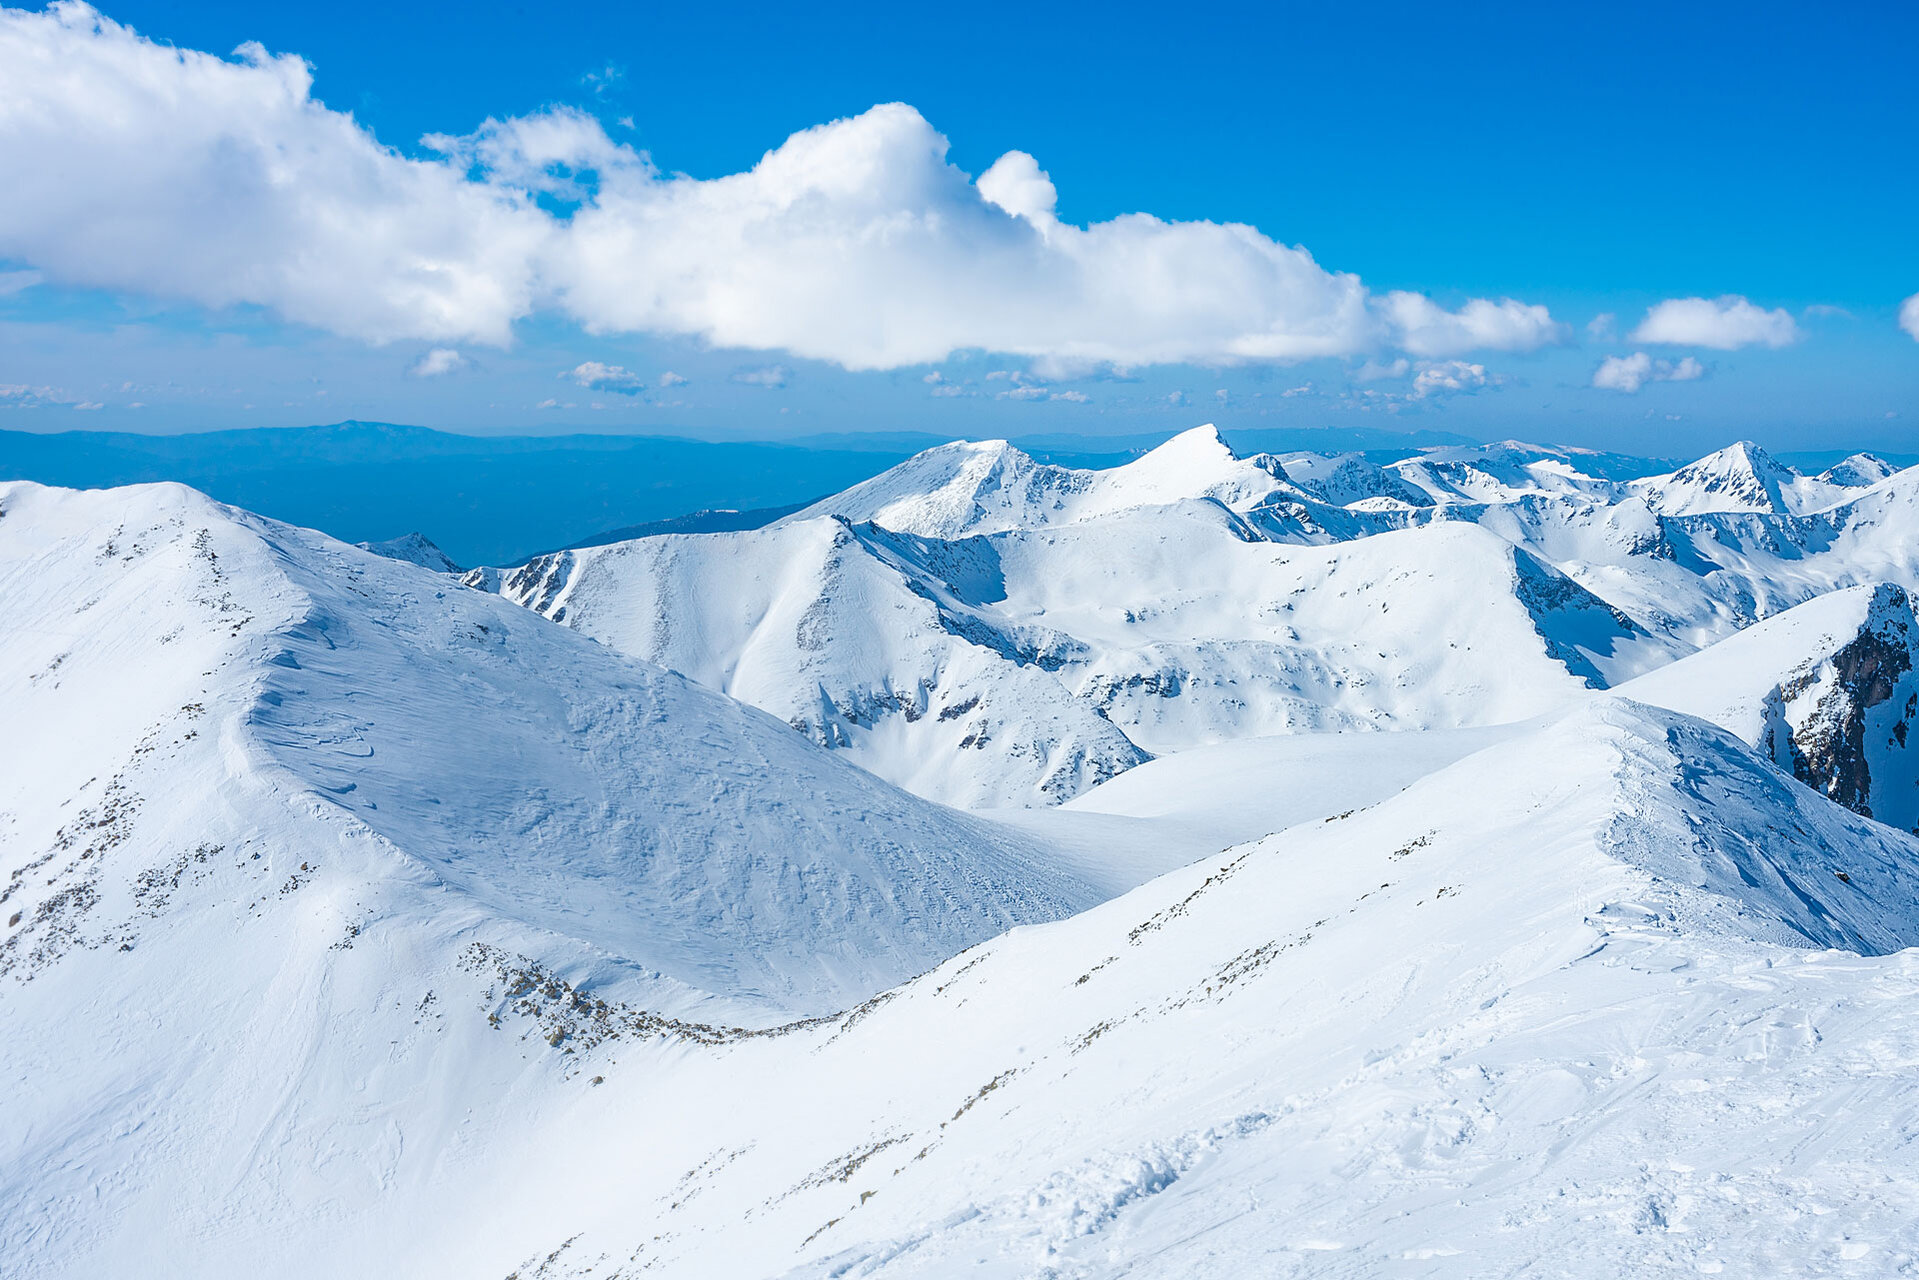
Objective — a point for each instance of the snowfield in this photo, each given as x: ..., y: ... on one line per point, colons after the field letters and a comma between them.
x: 1495, y: 862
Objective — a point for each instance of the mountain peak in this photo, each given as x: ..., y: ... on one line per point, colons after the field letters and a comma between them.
x: 1860, y: 471
x: 1740, y: 477
x: 1201, y: 441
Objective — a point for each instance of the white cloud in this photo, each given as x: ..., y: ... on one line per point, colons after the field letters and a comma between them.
x: 1427, y: 329
x: 1450, y: 377
x: 436, y: 362
x: 1601, y: 326
x: 772, y: 377
x: 1724, y: 324
x: 671, y: 379
x: 1909, y: 316
x: 16, y: 395
x: 1629, y: 373
x: 133, y: 166
x: 136, y: 167
x: 12, y: 282
x: 595, y: 376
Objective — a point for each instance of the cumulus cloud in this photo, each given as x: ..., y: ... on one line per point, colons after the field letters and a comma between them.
x: 133, y: 166
x: 595, y: 376
x: 436, y: 362
x: 1909, y: 316
x: 1450, y: 377
x: 671, y: 379
x: 1629, y: 373
x: 1427, y: 329
x: 1724, y: 324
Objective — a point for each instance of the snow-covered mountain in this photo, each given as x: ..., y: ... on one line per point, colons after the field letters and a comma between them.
x: 1827, y: 690
x: 414, y: 548
x: 193, y: 692
x: 1480, y: 863
x: 965, y: 488
x: 1009, y: 633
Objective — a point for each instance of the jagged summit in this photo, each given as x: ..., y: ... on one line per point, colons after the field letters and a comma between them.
x: 1740, y: 477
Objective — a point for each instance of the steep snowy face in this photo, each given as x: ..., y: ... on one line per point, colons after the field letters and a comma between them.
x: 1344, y: 479
x: 181, y: 676
x: 1827, y: 690
x: 962, y: 489
x: 1025, y: 667
x: 880, y: 645
x: 1740, y: 477
x: 1513, y: 982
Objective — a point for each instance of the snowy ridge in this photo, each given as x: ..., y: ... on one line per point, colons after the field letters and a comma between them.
x: 542, y: 778
x: 1502, y: 1003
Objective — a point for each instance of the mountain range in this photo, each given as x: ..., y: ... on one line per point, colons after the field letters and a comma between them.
x: 1494, y: 860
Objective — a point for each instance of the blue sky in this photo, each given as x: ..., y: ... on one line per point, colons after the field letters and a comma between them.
x: 1581, y: 164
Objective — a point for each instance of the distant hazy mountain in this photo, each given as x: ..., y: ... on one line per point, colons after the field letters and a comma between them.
x: 482, y: 499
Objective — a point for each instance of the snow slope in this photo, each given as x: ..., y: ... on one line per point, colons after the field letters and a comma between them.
x: 170, y: 662
x: 1570, y: 998
x: 855, y: 637
x: 1532, y: 1008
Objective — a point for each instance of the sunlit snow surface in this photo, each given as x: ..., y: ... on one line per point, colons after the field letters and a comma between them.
x: 370, y: 924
